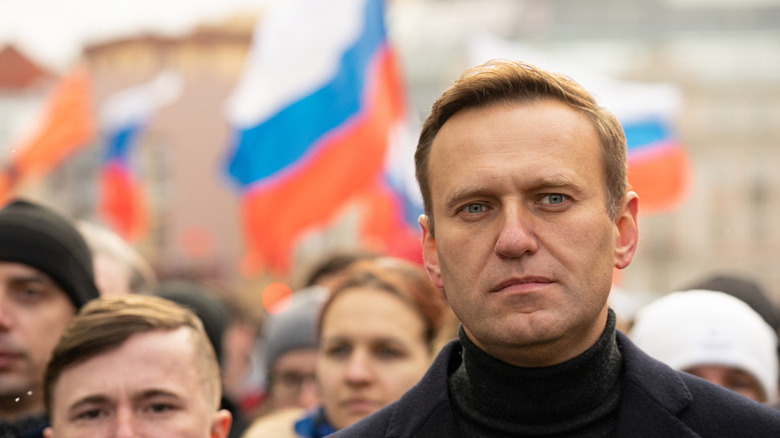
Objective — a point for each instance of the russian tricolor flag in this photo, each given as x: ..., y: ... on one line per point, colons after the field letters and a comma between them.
x: 658, y: 167
x: 313, y: 113
x: 123, y: 117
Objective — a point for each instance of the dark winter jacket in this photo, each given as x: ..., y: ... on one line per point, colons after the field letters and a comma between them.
x: 656, y: 402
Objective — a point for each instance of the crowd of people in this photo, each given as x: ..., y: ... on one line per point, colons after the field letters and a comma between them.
x: 505, y: 330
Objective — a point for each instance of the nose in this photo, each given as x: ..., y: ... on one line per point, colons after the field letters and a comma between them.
x: 516, y: 236
x: 359, y: 369
x: 125, y: 424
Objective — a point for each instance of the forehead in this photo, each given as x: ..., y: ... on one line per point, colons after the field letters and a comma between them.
x: 366, y: 312
x: 523, y: 139
x: 12, y: 270
x: 156, y: 360
x: 538, y: 120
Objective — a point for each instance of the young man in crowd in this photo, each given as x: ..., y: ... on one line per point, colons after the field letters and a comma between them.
x: 46, y: 275
x: 134, y: 365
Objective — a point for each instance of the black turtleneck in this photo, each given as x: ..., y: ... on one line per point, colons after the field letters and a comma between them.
x: 577, y: 398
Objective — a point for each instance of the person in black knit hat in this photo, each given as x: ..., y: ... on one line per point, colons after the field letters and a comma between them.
x: 46, y: 275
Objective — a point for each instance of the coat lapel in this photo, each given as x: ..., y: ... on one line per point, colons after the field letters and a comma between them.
x: 653, y: 396
x: 436, y: 421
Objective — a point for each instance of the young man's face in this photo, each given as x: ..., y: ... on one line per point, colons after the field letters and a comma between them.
x: 150, y: 386
x: 33, y: 312
x: 524, y: 245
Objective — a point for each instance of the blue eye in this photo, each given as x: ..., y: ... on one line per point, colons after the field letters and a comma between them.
x: 554, y: 198
x: 475, y: 208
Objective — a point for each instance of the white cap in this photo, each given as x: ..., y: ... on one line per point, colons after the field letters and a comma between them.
x: 699, y: 327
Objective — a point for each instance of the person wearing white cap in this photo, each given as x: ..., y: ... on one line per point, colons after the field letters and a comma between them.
x: 712, y: 335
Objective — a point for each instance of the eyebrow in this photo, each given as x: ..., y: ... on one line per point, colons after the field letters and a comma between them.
x: 103, y: 399
x: 96, y: 399
x: 340, y: 340
x: 459, y: 195
x: 31, y: 278
x: 156, y: 392
x: 544, y: 183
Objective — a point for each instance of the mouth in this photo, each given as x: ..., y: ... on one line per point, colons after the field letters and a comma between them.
x: 361, y: 405
x: 522, y: 284
x: 7, y: 359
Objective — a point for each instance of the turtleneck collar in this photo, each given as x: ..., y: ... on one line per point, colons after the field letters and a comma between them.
x: 577, y: 395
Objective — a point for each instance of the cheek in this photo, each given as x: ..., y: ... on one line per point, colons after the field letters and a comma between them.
x: 399, y: 378
x: 461, y: 257
x: 328, y: 375
x: 589, y: 243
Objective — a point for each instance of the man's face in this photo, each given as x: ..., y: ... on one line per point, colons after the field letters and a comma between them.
x: 33, y: 313
x: 733, y: 378
x: 293, y: 383
x: 150, y: 386
x: 524, y: 245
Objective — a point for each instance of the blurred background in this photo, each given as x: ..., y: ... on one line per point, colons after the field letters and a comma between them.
x: 132, y: 108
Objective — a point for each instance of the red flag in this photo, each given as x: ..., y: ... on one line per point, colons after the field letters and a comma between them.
x: 66, y: 125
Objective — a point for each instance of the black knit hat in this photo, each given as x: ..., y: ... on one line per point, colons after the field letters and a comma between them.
x: 42, y: 238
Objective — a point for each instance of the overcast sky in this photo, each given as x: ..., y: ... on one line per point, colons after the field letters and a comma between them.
x: 53, y: 31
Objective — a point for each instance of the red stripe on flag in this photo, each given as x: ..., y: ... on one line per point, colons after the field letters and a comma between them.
x: 660, y: 177
x: 383, y: 227
x: 122, y: 204
x: 66, y: 125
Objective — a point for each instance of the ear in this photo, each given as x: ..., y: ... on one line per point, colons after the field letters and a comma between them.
x: 627, y: 229
x: 220, y: 424
x: 48, y: 433
x: 430, y: 255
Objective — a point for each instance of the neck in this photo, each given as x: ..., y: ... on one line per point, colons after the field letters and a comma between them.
x: 577, y: 395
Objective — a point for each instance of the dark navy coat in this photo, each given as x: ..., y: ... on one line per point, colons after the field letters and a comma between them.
x: 657, y: 402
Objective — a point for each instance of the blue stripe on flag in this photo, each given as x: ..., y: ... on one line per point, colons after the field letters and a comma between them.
x: 644, y: 133
x: 286, y: 137
x: 120, y: 141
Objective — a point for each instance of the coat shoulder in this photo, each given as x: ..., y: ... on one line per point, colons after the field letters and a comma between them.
x: 656, y: 397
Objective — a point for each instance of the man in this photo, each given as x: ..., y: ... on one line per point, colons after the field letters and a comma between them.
x: 527, y: 213
x: 46, y: 274
x: 134, y: 365
x: 291, y: 351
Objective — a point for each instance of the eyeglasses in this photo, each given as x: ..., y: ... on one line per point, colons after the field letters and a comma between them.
x: 291, y: 382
